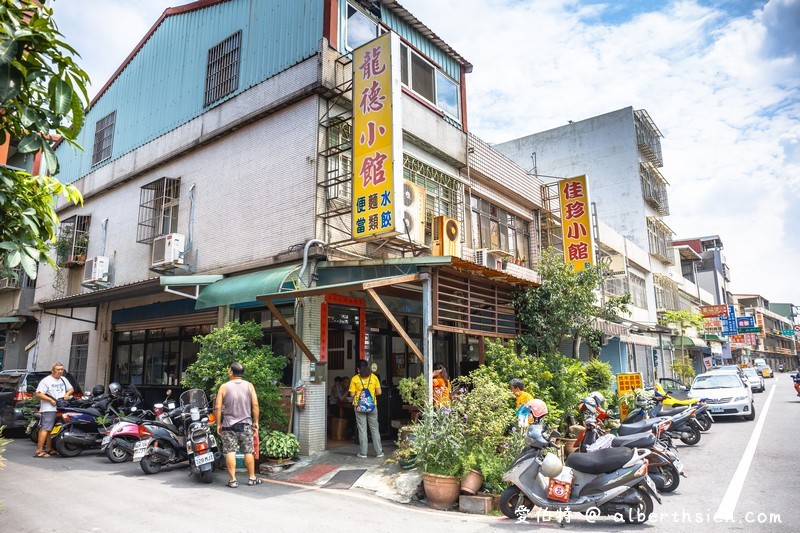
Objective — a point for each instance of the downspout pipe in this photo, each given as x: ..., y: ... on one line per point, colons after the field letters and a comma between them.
x: 305, y: 258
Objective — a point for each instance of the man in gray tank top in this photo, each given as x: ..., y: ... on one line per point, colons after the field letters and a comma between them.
x: 236, y: 410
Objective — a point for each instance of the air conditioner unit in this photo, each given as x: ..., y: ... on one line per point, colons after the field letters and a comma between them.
x: 483, y: 258
x: 446, y: 236
x: 413, y: 212
x: 168, y: 250
x: 96, y: 269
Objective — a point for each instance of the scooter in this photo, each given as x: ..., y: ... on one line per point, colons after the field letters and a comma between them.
x: 179, y: 434
x: 647, y: 408
x: 123, y: 435
x: 611, y: 482
x: 682, y: 426
x: 796, y: 379
x: 669, y: 405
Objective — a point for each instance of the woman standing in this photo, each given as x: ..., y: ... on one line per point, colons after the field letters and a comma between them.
x: 441, y: 386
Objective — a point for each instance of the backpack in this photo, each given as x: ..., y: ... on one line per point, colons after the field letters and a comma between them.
x: 366, y: 403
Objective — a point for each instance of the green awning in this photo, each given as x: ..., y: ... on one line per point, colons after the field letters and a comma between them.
x: 11, y: 320
x: 713, y: 337
x: 243, y: 289
x: 689, y: 342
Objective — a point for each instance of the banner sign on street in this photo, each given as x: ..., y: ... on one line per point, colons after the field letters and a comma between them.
x: 749, y: 330
x: 745, y: 322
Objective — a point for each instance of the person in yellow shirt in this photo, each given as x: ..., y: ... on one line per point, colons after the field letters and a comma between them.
x: 524, y: 418
x: 441, y: 386
x: 366, y: 407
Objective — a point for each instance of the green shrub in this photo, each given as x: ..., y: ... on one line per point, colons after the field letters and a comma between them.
x: 278, y: 444
x: 414, y: 391
x: 239, y: 342
x: 599, y: 376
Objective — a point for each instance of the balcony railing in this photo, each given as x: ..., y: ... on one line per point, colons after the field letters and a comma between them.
x: 648, y: 137
x: 654, y: 189
x: 660, y: 240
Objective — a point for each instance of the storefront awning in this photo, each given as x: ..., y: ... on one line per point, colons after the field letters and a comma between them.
x: 11, y: 320
x: 713, y: 337
x: 244, y: 288
x: 689, y: 342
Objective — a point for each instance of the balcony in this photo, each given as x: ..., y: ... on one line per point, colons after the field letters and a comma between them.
x: 648, y: 138
x: 660, y: 240
x: 654, y: 188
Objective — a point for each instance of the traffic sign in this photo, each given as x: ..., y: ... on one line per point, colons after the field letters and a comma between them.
x: 750, y: 330
x: 787, y: 332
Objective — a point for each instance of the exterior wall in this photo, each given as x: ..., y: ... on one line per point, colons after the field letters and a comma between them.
x: 163, y: 85
x: 604, y: 149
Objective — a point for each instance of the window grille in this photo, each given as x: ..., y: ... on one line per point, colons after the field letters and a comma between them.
x: 73, y: 240
x: 443, y: 192
x: 340, y: 167
x: 638, y: 290
x: 496, y: 229
x: 103, y: 138
x: 78, y: 354
x: 158, y: 209
x: 222, y: 71
x: 660, y: 240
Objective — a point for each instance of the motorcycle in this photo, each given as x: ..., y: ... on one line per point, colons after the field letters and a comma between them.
x: 120, y: 439
x: 664, y: 468
x: 610, y: 482
x: 180, y: 434
x: 84, y: 428
x: 649, y: 408
x: 674, y: 405
x: 796, y: 379
x: 683, y: 425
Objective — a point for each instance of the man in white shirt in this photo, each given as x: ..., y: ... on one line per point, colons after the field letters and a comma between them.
x: 51, y: 388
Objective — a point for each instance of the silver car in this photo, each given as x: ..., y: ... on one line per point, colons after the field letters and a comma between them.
x: 726, y: 393
x: 755, y: 379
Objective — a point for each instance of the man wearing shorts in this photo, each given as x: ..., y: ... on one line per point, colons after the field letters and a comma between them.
x: 51, y: 388
x: 236, y: 410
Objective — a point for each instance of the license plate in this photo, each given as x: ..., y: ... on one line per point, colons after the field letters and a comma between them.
x: 650, y: 484
x: 139, y: 450
x: 203, y: 459
x: 716, y: 409
x: 106, y: 440
x: 55, y: 430
x: 678, y: 465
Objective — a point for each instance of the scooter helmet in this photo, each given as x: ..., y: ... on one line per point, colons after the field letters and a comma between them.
x: 551, y: 465
x: 98, y: 390
x: 534, y: 437
x: 599, y: 399
x: 538, y: 409
x: 114, y: 388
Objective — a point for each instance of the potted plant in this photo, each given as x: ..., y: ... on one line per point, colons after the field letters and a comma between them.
x: 279, y: 446
x: 439, y: 446
x: 414, y: 393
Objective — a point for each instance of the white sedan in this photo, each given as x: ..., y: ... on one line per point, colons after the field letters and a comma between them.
x: 755, y: 379
x: 726, y: 393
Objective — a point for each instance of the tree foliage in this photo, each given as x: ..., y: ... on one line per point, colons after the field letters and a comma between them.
x: 42, y: 97
x: 681, y: 320
x: 564, y: 305
x: 239, y: 342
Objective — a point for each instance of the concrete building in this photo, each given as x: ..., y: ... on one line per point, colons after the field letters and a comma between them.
x: 709, y: 268
x: 776, y: 341
x: 220, y: 183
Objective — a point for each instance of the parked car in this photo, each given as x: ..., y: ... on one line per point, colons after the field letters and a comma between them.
x: 755, y: 379
x: 675, y: 388
x: 728, y: 368
x: 726, y: 393
x: 16, y: 386
x: 765, y: 370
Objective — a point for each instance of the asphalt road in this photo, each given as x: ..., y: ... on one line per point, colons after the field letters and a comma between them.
x: 88, y: 493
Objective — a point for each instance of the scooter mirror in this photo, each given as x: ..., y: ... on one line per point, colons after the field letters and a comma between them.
x: 169, y: 392
x: 555, y: 434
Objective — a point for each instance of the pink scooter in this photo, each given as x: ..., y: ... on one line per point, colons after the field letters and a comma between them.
x: 121, y: 437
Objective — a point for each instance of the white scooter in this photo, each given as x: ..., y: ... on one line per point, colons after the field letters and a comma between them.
x: 610, y: 482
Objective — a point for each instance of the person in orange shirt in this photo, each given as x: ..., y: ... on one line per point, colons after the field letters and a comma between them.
x: 441, y: 386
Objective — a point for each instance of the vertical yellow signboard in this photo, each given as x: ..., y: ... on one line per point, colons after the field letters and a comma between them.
x: 377, y: 140
x: 576, y: 223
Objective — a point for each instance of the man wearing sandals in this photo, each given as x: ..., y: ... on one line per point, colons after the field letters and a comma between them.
x: 51, y: 388
x: 236, y: 410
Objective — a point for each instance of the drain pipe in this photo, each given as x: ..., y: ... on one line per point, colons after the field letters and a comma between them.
x: 305, y: 258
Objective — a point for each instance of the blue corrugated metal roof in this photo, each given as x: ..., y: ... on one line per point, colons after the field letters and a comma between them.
x: 162, y: 86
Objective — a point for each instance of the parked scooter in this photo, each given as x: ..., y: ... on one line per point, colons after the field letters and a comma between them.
x: 669, y: 406
x: 178, y: 435
x: 682, y: 426
x: 796, y: 379
x: 649, y: 408
x: 120, y: 439
x: 611, y: 482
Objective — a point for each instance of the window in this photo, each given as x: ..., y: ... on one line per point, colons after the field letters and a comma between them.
x: 340, y: 144
x: 429, y: 82
x: 638, y: 290
x: 73, y: 240
x: 158, y: 209
x: 360, y: 28
x: 222, y: 71
x: 660, y: 240
x: 103, y: 138
x: 442, y: 192
x: 496, y: 229
x: 78, y: 353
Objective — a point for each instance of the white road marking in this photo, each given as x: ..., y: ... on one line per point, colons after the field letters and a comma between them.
x: 728, y: 505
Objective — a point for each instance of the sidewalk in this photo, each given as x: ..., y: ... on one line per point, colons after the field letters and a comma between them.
x: 381, y: 478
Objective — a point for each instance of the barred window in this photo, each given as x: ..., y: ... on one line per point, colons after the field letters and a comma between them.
x: 222, y: 71
x: 615, y: 286
x: 103, y: 138
x: 638, y: 290
x: 340, y: 167
x: 442, y: 191
x: 158, y: 209
x: 78, y: 354
x: 496, y: 229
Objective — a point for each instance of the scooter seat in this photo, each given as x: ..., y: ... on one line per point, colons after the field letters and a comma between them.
x: 638, y: 427
x: 601, y: 461
x: 638, y: 440
x: 673, y: 411
x: 89, y: 411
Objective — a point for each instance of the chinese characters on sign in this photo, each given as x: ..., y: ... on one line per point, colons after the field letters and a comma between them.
x: 377, y: 150
x: 576, y: 223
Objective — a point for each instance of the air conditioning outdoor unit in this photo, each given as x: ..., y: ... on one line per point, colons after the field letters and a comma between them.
x: 446, y: 237
x: 483, y: 258
x: 96, y: 269
x: 413, y: 212
x: 168, y: 250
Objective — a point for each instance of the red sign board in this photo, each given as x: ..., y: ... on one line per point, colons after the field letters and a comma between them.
x: 710, y: 311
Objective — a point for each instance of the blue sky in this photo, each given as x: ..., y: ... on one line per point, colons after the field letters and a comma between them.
x: 720, y: 78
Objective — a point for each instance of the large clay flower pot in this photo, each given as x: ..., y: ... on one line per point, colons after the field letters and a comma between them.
x: 441, y: 491
x: 471, y: 483
x: 569, y: 446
